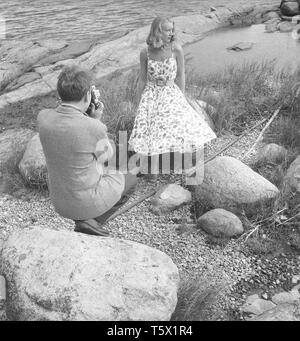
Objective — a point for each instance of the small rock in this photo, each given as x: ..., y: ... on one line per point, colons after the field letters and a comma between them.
x: 242, y: 46
x: 285, y: 26
x: 169, y: 198
x: 219, y: 222
x: 296, y: 279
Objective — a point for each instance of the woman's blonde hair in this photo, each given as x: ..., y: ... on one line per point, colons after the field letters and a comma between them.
x: 154, y: 38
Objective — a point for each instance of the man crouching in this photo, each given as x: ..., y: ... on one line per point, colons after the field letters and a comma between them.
x: 76, y: 147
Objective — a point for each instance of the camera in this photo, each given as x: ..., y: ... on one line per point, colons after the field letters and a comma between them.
x: 95, y: 99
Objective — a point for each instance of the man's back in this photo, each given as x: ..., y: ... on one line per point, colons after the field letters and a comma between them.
x: 69, y: 140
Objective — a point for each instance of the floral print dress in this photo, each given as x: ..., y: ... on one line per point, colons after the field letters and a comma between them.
x: 165, y: 121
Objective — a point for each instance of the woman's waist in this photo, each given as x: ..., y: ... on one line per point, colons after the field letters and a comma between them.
x: 160, y: 82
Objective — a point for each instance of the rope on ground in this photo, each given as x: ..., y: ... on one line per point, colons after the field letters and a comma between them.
x: 124, y: 209
x: 193, y: 169
x: 262, y: 132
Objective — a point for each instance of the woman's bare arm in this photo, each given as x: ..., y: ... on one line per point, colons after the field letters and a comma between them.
x: 180, y: 77
x: 143, y: 72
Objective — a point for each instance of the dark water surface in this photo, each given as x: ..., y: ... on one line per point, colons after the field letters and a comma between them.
x: 93, y: 19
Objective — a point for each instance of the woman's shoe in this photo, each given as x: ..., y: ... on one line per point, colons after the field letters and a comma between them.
x: 90, y: 226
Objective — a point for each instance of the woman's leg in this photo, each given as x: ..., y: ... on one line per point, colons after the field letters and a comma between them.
x: 194, y: 168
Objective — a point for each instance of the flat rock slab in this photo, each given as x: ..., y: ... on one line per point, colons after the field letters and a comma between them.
x: 24, y: 79
x: 73, y: 50
x: 282, y: 312
x: 255, y: 305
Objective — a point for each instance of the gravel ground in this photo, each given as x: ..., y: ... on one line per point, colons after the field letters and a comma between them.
x: 188, y: 247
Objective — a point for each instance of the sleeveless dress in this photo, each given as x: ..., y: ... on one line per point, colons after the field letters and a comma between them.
x: 165, y: 121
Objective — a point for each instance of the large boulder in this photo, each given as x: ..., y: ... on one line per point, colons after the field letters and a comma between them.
x: 292, y: 178
x: 62, y: 275
x: 289, y: 8
x: 271, y: 153
x: 220, y: 223
x: 230, y: 184
x: 33, y: 166
x: 12, y: 144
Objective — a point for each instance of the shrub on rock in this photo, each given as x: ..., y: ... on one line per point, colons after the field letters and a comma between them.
x: 61, y: 275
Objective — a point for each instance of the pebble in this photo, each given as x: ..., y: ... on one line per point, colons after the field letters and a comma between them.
x: 296, y: 279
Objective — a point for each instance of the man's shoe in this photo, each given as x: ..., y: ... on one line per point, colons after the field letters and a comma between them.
x: 90, y: 226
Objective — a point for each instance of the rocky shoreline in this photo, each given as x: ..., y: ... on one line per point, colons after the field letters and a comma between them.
x: 31, y: 69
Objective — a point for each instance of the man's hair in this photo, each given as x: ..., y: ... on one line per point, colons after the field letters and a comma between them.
x: 154, y: 36
x: 73, y: 83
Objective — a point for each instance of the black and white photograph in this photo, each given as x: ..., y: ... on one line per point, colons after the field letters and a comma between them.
x: 150, y: 163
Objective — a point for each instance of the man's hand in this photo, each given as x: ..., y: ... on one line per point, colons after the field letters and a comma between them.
x: 97, y: 114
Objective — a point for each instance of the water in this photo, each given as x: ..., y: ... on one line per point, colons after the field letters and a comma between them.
x: 214, y: 56
x: 100, y: 20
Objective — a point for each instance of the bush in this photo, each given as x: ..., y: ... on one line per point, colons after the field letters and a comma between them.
x: 197, y: 300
